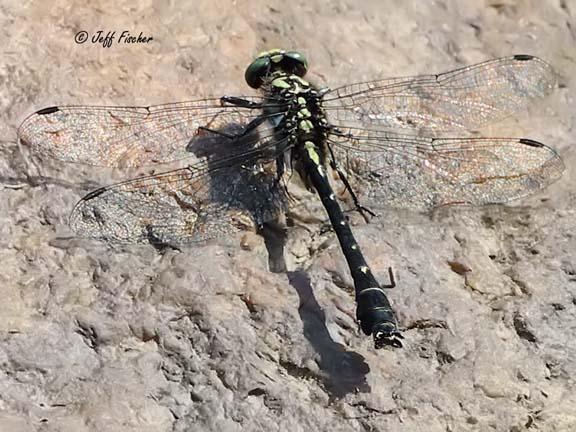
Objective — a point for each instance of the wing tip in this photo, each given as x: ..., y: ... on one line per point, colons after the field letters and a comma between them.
x: 524, y: 57
x: 94, y: 194
x: 531, y: 143
x: 48, y: 110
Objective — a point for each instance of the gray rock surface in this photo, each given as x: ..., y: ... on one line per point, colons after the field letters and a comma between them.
x: 125, y: 338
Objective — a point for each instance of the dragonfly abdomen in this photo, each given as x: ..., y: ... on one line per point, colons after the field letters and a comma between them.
x: 373, y: 310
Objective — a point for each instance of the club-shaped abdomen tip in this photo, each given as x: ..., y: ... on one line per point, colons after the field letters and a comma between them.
x: 387, y: 334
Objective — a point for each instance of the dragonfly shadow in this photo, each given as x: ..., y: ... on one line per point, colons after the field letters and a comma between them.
x: 345, y: 371
x: 209, y: 143
x: 275, y: 237
x: 241, y: 180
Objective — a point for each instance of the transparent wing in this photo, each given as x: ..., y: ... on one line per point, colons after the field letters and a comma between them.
x: 465, y: 98
x: 421, y: 173
x: 206, y: 200
x: 126, y: 136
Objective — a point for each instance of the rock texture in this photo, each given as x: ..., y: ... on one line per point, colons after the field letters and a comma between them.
x: 126, y: 338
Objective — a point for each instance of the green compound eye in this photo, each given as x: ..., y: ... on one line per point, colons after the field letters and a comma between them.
x: 291, y: 62
x: 257, y: 70
x: 296, y: 62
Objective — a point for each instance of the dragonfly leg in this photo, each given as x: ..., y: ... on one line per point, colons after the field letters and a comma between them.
x: 359, y: 207
x: 392, y: 283
x: 280, y: 170
x: 246, y: 129
x: 279, y: 167
x: 239, y: 102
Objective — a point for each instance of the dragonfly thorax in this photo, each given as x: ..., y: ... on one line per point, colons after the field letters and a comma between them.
x: 297, y: 105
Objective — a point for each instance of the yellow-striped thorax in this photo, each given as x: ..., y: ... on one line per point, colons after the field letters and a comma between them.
x: 280, y: 73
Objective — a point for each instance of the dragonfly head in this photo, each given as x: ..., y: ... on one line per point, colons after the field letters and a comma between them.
x: 291, y: 62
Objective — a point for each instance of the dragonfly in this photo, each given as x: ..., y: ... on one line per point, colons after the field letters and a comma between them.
x: 382, y: 139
